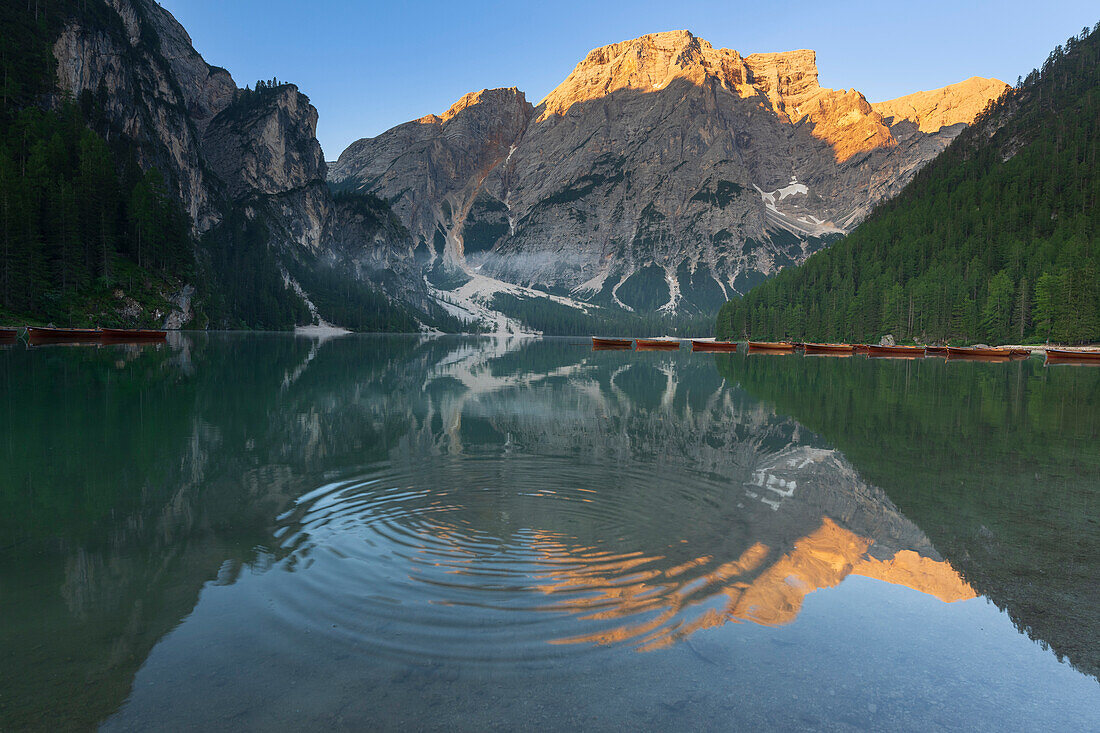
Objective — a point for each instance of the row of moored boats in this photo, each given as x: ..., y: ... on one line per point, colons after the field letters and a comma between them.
x: 983, y: 353
x: 50, y: 335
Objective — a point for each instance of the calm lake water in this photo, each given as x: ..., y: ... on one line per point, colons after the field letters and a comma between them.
x: 263, y: 532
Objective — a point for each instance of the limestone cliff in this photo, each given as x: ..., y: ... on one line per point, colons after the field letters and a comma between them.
x: 250, y: 155
x: 662, y: 172
x: 457, y: 151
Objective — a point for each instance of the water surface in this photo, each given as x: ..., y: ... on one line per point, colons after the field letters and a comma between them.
x: 266, y: 532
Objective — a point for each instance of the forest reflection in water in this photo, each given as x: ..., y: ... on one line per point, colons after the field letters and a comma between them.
x: 503, y: 502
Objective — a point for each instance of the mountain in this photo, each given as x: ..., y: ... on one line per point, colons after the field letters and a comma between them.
x: 661, y: 174
x: 995, y: 241
x: 143, y: 186
x: 209, y: 205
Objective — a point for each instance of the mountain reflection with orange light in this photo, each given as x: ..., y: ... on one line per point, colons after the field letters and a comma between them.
x: 768, y: 594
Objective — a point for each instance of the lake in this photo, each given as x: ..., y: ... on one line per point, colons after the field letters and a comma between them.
x: 268, y: 532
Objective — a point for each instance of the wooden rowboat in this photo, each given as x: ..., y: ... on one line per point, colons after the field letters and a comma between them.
x: 1076, y: 357
x: 862, y: 348
x: 40, y: 334
x: 784, y: 346
x: 132, y: 334
x: 697, y: 345
x: 935, y: 350
x: 1021, y: 352
x: 7, y: 335
x: 829, y: 348
x: 904, y: 352
x: 657, y: 345
x: 971, y: 352
x: 598, y: 343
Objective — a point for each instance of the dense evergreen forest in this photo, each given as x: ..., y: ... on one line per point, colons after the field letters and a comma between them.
x: 78, y: 217
x: 997, y: 240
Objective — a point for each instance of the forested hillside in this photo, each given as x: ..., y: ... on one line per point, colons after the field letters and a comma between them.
x: 997, y: 240
x: 77, y: 215
x: 77, y: 218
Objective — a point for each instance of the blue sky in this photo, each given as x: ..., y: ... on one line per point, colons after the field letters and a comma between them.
x: 368, y: 66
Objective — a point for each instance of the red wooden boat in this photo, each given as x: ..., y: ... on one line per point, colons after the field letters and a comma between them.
x: 698, y: 345
x: 783, y: 346
x: 601, y: 344
x: 906, y: 352
x: 132, y: 334
x: 43, y: 334
x: 862, y: 348
x: 829, y: 349
x: 657, y: 345
x: 973, y: 352
x: 1021, y: 352
x: 7, y: 335
x: 935, y: 350
x: 1069, y: 356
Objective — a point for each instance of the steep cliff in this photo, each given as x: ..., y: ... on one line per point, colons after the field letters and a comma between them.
x: 245, y: 167
x: 661, y: 173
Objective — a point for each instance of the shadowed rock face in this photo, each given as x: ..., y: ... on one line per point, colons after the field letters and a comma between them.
x: 433, y: 169
x: 662, y: 152
x: 222, y: 148
x: 188, y: 118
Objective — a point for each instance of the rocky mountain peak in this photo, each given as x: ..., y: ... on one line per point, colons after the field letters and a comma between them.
x: 265, y: 143
x: 644, y: 64
x: 496, y: 98
x: 783, y: 76
x: 654, y: 51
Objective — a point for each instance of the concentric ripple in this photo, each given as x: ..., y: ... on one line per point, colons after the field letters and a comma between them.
x: 509, y: 558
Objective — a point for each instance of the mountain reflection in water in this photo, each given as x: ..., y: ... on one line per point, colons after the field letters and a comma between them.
x: 458, y: 501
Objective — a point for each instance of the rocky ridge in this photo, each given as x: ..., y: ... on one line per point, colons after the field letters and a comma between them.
x: 661, y: 173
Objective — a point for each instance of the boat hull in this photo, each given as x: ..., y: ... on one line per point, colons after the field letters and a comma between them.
x: 611, y: 344
x: 59, y: 335
x: 7, y: 335
x: 896, y: 352
x: 834, y: 349
x: 955, y: 352
x: 778, y: 347
x: 1065, y: 356
x: 657, y: 345
x: 725, y: 346
x: 136, y: 334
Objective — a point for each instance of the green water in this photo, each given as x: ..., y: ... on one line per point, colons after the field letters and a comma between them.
x: 262, y: 532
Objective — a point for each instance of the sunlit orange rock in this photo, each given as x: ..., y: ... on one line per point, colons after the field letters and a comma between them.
x: 936, y: 578
x: 948, y: 105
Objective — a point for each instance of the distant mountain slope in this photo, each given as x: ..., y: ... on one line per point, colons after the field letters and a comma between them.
x: 661, y: 174
x: 997, y: 240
